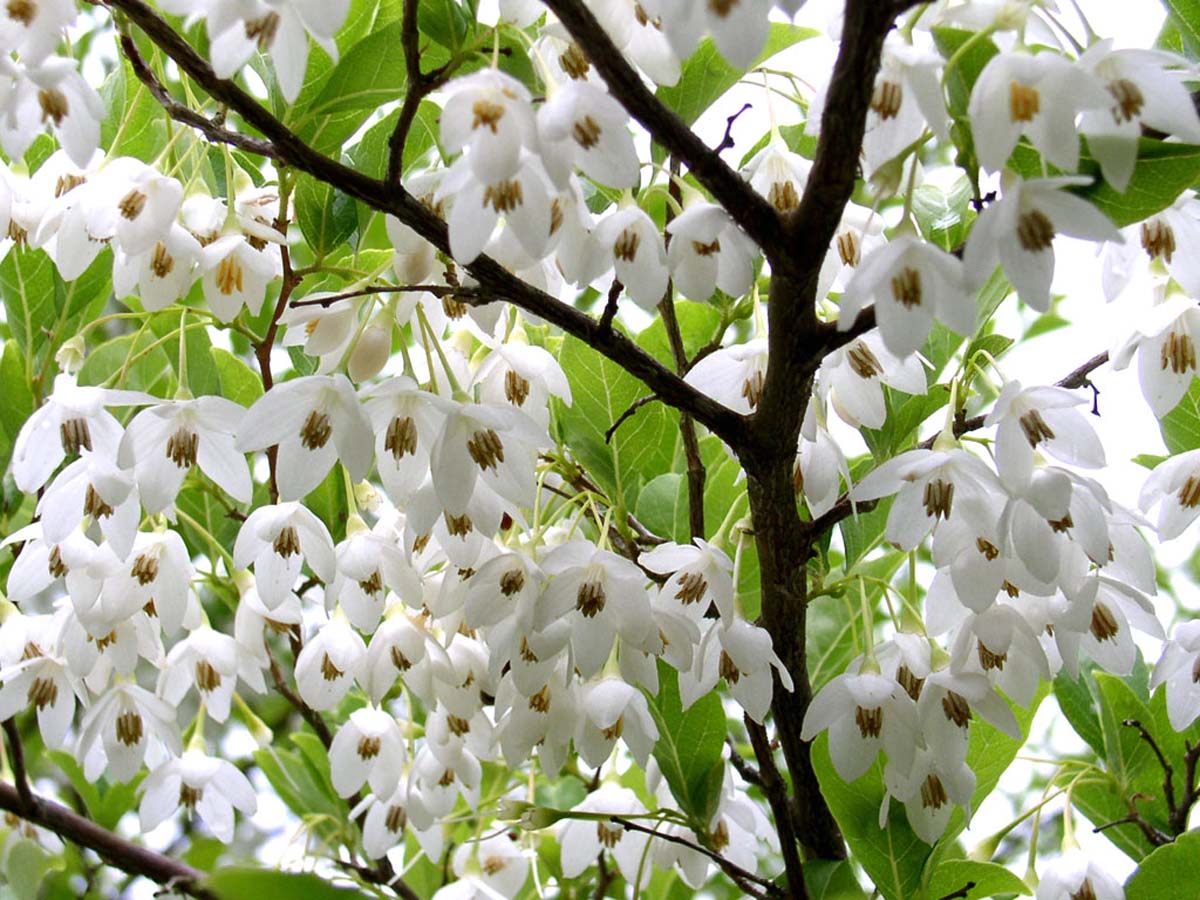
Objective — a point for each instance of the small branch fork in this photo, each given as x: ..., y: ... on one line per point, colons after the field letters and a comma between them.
x: 420, y: 86
x: 1179, y: 810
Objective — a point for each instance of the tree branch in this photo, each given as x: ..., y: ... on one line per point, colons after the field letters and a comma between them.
x: 419, y: 87
x: 180, y: 112
x: 116, y: 851
x: 496, y: 282
x: 775, y: 788
x: 438, y: 290
x: 748, y: 208
x: 16, y: 758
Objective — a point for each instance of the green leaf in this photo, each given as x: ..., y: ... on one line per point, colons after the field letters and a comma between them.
x: 1164, y: 171
x: 444, y: 21
x: 1185, y: 16
x: 689, y: 748
x: 1169, y: 873
x: 662, y: 507
x: 698, y: 324
x: 944, y: 218
x: 27, y: 287
x: 18, y: 399
x: 1078, y: 704
x: 26, y: 867
x: 326, y: 216
x: 1181, y: 426
x: 303, y: 790
x: 835, y: 627
x: 831, y: 880
x: 642, y: 448
x: 135, y: 124
x: 706, y: 76
x: 238, y: 381
x: 233, y: 883
x: 988, y: 880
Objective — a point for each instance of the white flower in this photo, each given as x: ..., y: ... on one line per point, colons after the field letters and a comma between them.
x: 329, y: 664
x: 582, y: 840
x: 638, y: 254
x: 210, y: 661
x: 276, y: 539
x: 164, y: 441
x: 1018, y: 232
x: 157, y: 575
x: 300, y: 417
x: 742, y: 655
x: 369, y: 564
x: 235, y: 274
x: 779, y: 174
x: 580, y: 124
x: 210, y: 787
x: 613, y: 709
x: 929, y: 790
x: 385, y: 824
x: 40, y: 677
x: 1174, y: 486
x: 117, y: 729
x: 1045, y: 418
x: 1165, y: 344
x: 1038, y: 95
x: 50, y: 91
x: 489, y: 113
x: 34, y: 30
x: 1077, y: 875
x: 1172, y: 236
x: 146, y: 202
x: 708, y: 251
x: 161, y: 274
x: 912, y: 282
x: 852, y: 379
x: 406, y: 421
x: 92, y: 487
x: 368, y: 748
x: 864, y: 712
x: 1147, y: 90
x: 820, y: 467
x: 71, y: 419
x: 1176, y: 669
x: 496, y: 862
x: 733, y: 376
x: 279, y: 28
x: 701, y: 573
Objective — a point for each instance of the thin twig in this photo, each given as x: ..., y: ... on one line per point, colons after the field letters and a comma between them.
x: 310, y: 715
x: 629, y: 411
x: 741, y: 877
x: 16, y: 758
x: 419, y: 87
x: 610, y: 305
x: 742, y: 765
x: 437, y: 290
x: 776, y: 789
x: 727, y: 140
x: 1179, y: 818
x: 1168, y: 770
x: 963, y: 892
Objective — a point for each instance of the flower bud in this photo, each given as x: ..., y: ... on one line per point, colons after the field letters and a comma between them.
x: 71, y: 354
x: 371, y: 353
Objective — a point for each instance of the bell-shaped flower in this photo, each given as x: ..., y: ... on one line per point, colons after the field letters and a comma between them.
x: 315, y: 421
x: 369, y: 564
x: 40, y: 677
x: 733, y: 376
x: 1147, y: 91
x: 1173, y: 486
x: 613, y: 709
x: 34, y: 30
x: 92, y: 488
x: 523, y: 375
x: 779, y: 174
x: 164, y: 441
x: 1176, y: 668
x: 210, y: 787
x: 707, y: 251
x: 279, y: 28
x: 912, y: 282
x: 403, y: 648
x: 636, y: 246
x: 276, y: 539
x: 161, y: 274
x: 496, y: 863
x: 329, y: 663
x: 946, y: 703
x: 490, y: 114
x: 157, y: 577
x: 580, y: 124
x: 926, y: 484
x: 585, y: 838
x: 864, y: 712
x: 490, y: 443
x: 1165, y: 344
x: 603, y: 593
x: 700, y: 574
x: 820, y: 468
x: 51, y: 91
x: 236, y: 274
x: 145, y: 200
x: 1042, y: 418
x: 522, y: 198
x: 546, y: 719
x: 210, y: 661
x: 1000, y: 643
x: 742, y: 655
x: 1170, y: 237
x: 853, y: 377
x: 73, y: 418
x: 386, y: 821
x: 1036, y: 95
x: 1018, y: 230
x: 929, y: 790
x: 369, y: 748
x: 117, y: 729
x: 1076, y: 874
x: 406, y: 421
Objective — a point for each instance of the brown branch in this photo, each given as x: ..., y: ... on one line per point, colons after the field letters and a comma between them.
x: 963, y: 892
x: 116, y: 851
x: 727, y: 139
x: 610, y: 305
x: 16, y: 758
x: 420, y: 85
x: 749, y: 209
x: 741, y: 877
x: 1168, y: 770
x: 310, y: 715
x: 438, y: 290
x: 183, y: 113
x: 496, y: 282
x: 1179, y: 818
x: 627, y: 414
x: 775, y: 788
